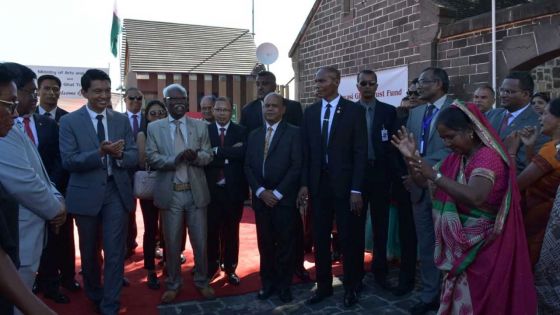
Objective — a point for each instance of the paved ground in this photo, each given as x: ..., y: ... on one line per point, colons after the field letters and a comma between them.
x: 372, y: 301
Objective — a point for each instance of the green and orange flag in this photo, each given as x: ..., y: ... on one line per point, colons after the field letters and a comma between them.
x: 115, y: 31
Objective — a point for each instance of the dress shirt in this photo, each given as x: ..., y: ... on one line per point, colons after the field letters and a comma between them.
x: 516, y: 113
x: 261, y: 189
x: 334, y: 104
x: 93, y: 115
x: 42, y: 111
x: 138, y: 116
x: 19, y: 122
x: 215, y: 149
x: 183, y: 125
x: 369, y: 119
x: 438, y: 104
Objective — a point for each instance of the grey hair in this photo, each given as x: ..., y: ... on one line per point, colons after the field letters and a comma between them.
x: 271, y: 94
x: 212, y: 98
x: 173, y: 87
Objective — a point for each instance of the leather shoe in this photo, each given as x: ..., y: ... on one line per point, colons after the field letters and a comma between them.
x: 212, y: 274
x: 383, y: 284
x: 168, y: 296
x: 335, y: 256
x: 350, y: 298
x: 233, y: 279
x: 302, y: 274
x: 285, y: 295
x: 422, y: 308
x: 71, y: 285
x: 153, y: 282
x: 207, y: 292
x: 319, y: 296
x: 403, y: 290
x: 57, y: 297
x: 183, y: 259
x: 265, y: 293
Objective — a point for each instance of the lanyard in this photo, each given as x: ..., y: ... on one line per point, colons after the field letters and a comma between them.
x: 426, y: 123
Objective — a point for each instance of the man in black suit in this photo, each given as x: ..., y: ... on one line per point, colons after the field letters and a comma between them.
x: 273, y: 169
x: 252, y: 115
x: 60, y: 253
x: 228, y: 189
x: 335, y: 156
x: 381, y: 165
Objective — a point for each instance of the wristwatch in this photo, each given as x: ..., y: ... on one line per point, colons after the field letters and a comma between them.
x: 438, y: 176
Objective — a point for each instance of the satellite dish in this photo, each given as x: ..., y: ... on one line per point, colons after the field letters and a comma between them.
x: 267, y: 53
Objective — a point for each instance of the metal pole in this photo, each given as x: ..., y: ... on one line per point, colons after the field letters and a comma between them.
x: 494, y: 44
x: 253, y: 16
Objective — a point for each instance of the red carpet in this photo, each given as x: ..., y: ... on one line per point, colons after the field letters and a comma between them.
x: 139, y: 299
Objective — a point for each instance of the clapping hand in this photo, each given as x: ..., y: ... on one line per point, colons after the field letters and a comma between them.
x: 404, y: 141
x: 529, y: 135
x: 114, y: 149
x: 512, y: 142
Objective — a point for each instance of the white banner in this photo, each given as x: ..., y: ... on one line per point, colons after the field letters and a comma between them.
x: 391, y: 88
x: 70, y: 77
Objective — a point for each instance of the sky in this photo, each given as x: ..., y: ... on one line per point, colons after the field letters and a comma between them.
x: 75, y: 33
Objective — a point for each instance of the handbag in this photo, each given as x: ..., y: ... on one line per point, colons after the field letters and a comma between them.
x: 144, y: 182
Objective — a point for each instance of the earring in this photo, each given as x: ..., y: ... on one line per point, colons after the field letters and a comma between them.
x: 472, y: 135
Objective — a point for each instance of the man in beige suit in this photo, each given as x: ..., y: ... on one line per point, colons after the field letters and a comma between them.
x: 178, y: 148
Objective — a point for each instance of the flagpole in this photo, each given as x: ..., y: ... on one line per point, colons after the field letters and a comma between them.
x: 494, y: 44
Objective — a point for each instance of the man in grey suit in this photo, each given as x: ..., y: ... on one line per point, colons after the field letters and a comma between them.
x: 97, y: 148
x: 24, y: 176
x: 433, y: 85
x: 178, y: 148
x: 515, y: 96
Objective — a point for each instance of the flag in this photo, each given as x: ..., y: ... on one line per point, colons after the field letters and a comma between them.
x: 115, y: 31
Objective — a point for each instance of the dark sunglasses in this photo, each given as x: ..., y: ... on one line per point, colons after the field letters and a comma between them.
x: 138, y: 98
x: 370, y: 83
x: 160, y: 112
x: 410, y: 93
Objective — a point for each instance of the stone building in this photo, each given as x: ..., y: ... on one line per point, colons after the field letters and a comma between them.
x: 452, y: 34
x: 204, y: 59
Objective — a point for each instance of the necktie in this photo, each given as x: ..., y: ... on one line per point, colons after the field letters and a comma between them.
x: 48, y: 114
x: 179, y: 145
x: 426, y: 125
x: 27, y: 128
x: 267, y: 142
x: 100, y: 128
x: 135, y: 125
x: 369, y: 120
x: 505, y: 122
x: 325, y: 133
x: 222, y: 137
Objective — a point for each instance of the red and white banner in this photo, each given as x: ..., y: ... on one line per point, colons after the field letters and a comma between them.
x: 392, y: 85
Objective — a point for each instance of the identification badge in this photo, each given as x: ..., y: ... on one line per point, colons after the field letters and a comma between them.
x: 422, y: 147
x: 384, y: 135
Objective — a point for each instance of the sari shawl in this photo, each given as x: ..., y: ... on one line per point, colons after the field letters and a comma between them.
x: 483, y: 254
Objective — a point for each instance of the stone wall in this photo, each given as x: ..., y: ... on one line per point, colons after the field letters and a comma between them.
x: 547, y: 78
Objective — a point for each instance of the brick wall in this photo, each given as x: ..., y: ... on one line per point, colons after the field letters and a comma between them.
x: 547, y: 78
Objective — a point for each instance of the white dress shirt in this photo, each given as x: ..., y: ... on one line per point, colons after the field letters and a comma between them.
x: 334, y: 104
x: 215, y: 149
x: 515, y: 114
x: 93, y: 115
x: 42, y: 111
x: 19, y: 122
x: 131, y: 119
x: 261, y: 189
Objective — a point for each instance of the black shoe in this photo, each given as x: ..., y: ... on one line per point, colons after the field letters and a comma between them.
x: 212, y: 274
x: 383, y: 284
x: 265, y: 293
x: 97, y: 307
x: 319, y: 296
x: 153, y: 282
x: 183, y: 259
x: 422, y: 308
x: 302, y: 274
x: 350, y: 298
x: 233, y: 279
x: 125, y: 282
x: 285, y: 295
x: 335, y: 256
x: 57, y: 296
x: 71, y: 285
x: 403, y: 290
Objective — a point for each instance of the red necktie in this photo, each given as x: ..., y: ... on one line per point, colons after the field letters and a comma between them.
x: 505, y: 122
x: 27, y: 129
x: 222, y: 137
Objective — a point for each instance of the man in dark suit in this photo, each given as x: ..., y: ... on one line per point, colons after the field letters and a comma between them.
x: 98, y: 149
x: 335, y: 156
x: 273, y: 169
x: 59, y: 255
x: 228, y: 189
x: 252, y: 115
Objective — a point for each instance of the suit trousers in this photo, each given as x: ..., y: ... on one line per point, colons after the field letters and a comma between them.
x: 377, y: 196
x: 299, y: 249
x: 58, y: 261
x: 150, y: 214
x: 351, y: 232
x: 407, y: 234
x: 224, y: 216
x: 276, y: 240
x: 183, y: 212
x: 425, y: 233
x: 111, y: 223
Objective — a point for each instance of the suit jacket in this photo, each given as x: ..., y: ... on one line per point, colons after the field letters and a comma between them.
x: 347, y: 148
x: 47, y: 133
x: 282, y: 167
x: 236, y: 184
x: 160, y: 155
x: 79, y: 148
x: 435, y: 148
x: 25, y: 178
x: 526, y: 118
x: 252, y: 116
x: 9, y: 234
x: 59, y: 113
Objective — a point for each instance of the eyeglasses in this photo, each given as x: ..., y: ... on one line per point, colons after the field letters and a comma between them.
x: 11, y: 105
x: 424, y: 82
x: 507, y: 92
x: 410, y: 93
x: 138, y: 98
x: 222, y: 110
x: 160, y: 112
x: 175, y: 99
x: 369, y: 83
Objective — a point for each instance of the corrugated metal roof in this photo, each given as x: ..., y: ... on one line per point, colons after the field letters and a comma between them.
x: 185, y: 48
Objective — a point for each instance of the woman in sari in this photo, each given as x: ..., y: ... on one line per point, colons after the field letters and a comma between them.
x: 480, y: 244
x: 540, y: 179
